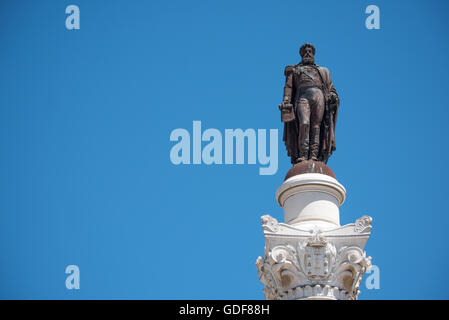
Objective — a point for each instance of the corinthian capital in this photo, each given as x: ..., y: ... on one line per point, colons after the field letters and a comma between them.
x: 313, y: 264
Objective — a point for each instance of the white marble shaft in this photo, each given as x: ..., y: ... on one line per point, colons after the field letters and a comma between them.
x: 311, y: 197
x: 311, y: 256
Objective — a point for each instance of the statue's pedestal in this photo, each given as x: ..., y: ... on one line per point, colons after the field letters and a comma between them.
x: 311, y: 198
x: 311, y: 256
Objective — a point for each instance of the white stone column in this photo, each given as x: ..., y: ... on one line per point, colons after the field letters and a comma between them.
x: 311, y: 198
x: 311, y: 256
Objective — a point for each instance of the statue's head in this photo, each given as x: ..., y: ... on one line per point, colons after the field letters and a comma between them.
x: 307, y: 52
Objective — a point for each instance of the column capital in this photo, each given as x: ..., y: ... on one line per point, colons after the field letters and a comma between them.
x: 314, y: 263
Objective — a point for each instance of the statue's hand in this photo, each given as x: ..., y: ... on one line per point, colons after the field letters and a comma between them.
x: 286, y: 100
x: 333, y: 99
x: 285, y: 104
x: 287, y: 111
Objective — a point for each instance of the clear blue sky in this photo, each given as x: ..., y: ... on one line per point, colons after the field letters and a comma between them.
x: 86, y: 115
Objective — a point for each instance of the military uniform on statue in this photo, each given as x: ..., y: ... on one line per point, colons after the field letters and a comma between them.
x: 309, y: 109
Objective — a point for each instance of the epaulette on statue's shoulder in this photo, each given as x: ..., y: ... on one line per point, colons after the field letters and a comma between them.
x: 323, y: 69
x: 288, y: 70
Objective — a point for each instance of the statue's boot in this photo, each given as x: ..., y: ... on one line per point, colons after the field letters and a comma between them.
x: 314, y: 142
x: 303, y: 142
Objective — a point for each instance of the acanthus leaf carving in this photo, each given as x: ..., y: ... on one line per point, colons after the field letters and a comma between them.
x: 269, y: 223
x: 363, y: 224
x: 312, y: 267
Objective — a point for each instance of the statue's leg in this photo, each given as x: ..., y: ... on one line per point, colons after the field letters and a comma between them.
x: 316, y: 116
x: 303, y: 113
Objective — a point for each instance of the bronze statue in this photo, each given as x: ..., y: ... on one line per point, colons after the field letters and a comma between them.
x: 309, y: 109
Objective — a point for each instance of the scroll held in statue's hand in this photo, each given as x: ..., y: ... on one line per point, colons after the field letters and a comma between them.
x: 287, y: 112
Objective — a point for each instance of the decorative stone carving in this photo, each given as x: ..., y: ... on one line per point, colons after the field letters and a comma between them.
x: 311, y: 264
x: 269, y: 223
x: 363, y: 224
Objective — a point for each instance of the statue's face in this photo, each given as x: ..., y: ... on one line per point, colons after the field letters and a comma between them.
x: 308, y: 56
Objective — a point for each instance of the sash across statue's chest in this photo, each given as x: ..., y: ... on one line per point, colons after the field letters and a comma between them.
x: 307, y: 76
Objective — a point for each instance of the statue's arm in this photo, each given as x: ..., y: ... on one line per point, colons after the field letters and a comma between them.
x: 333, y: 92
x: 288, y: 88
